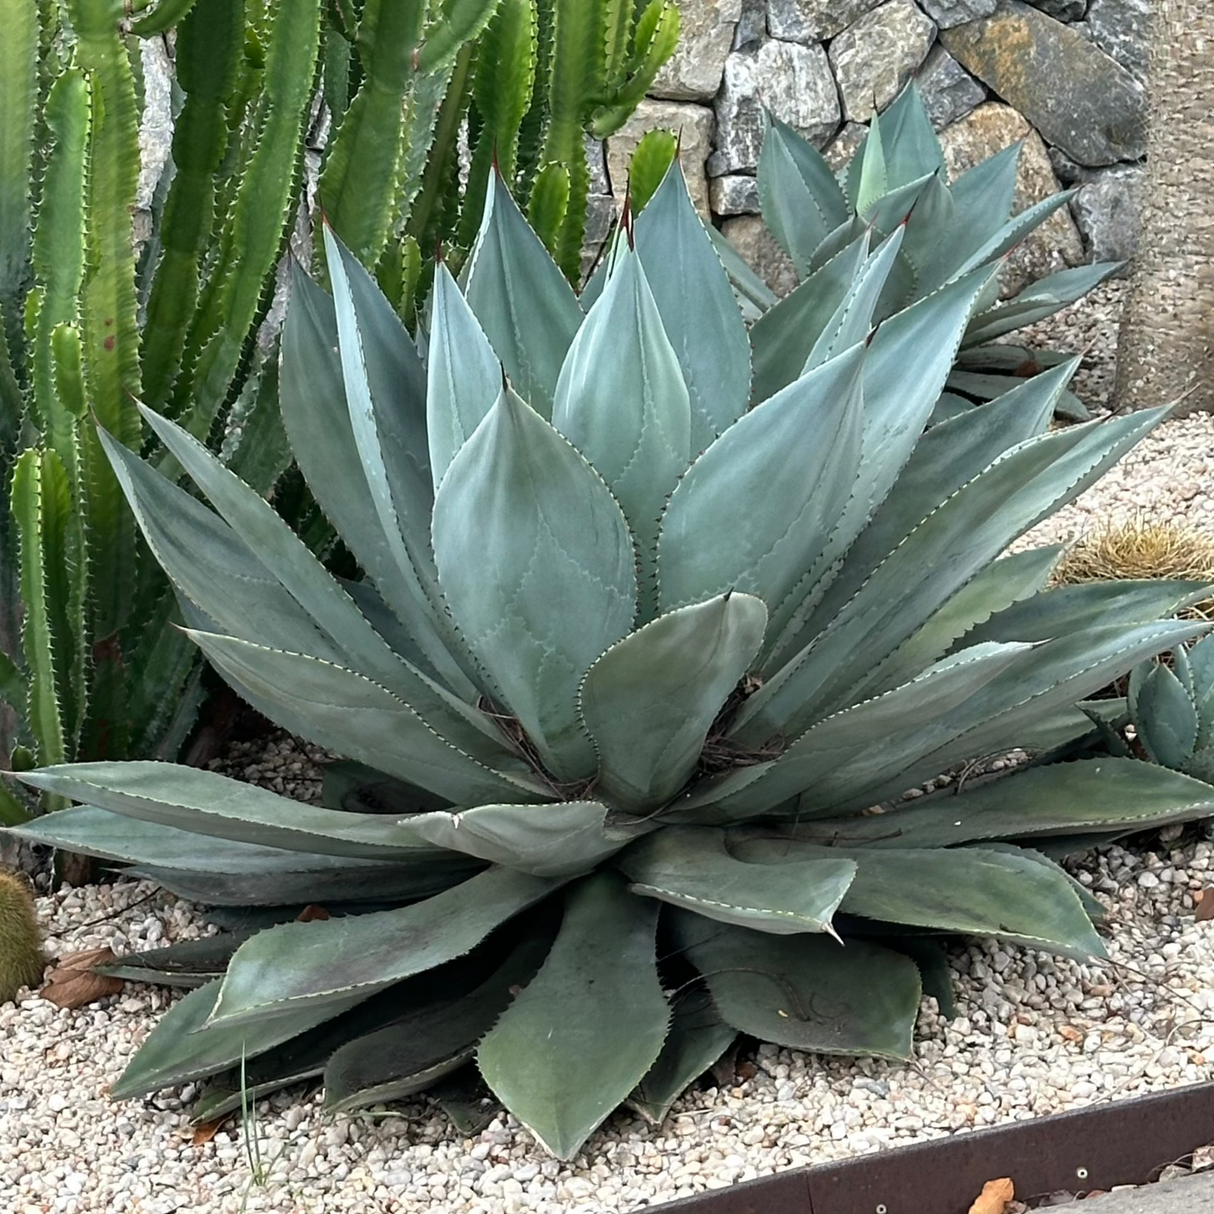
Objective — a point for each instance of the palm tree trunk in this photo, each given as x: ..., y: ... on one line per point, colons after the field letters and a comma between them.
x: 1166, y: 350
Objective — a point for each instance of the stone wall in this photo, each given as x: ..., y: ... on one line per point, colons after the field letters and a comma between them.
x: 1065, y: 76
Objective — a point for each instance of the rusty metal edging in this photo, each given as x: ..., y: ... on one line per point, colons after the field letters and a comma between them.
x: 1117, y: 1143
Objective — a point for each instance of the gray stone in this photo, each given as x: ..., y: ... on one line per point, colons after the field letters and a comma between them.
x: 1107, y: 210
x: 694, y: 126
x: 693, y: 72
x: 156, y: 124
x: 752, y: 25
x: 978, y: 136
x: 813, y: 20
x: 596, y: 158
x: 793, y: 82
x: 734, y: 195
x: 1066, y: 170
x: 844, y: 145
x: 947, y: 13
x: 1061, y: 10
x: 874, y: 57
x: 749, y: 235
x: 949, y: 92
x: 1121, y: 28
x: 1079, y: 98
x: 600, y: 218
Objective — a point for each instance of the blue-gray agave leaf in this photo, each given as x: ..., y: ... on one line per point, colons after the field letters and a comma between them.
x: 621, y: 401
x: 464, y: 375
x: 522, y: 524
x: 697, y: 307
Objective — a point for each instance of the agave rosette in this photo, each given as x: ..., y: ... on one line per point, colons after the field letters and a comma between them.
x: 897, y: 177
x: 632, y: 654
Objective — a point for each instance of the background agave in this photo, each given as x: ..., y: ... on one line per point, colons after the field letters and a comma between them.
x: 628, y: 664
x: 897, y: 177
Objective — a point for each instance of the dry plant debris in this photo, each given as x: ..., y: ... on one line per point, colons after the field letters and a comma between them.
x: 1138, y: 548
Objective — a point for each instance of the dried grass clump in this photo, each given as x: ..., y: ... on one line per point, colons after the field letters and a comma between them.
x: 1140, y: 549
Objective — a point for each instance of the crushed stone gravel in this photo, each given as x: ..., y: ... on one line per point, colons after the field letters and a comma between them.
x: 1036, y: 1034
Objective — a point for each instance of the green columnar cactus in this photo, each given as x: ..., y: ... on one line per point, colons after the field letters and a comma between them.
x: 20, y: 948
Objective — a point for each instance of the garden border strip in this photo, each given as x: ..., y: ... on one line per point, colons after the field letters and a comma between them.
x: 1121, y: 1142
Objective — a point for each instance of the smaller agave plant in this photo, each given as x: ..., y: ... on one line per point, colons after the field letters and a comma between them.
x: 637, y: 653
x: 897, y: 178
x: 1171, y: 708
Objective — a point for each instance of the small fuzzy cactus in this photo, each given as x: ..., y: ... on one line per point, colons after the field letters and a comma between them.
x: 20, y: 951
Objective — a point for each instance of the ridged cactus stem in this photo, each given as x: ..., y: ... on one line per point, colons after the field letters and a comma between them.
x: 20, y: 945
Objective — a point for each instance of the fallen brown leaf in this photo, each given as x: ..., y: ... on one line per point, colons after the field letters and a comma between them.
x: 72, y: 983
x: 206, y: 1131
x: 311, y: 914
x: 1205, y: 906
x: 995, y: 1197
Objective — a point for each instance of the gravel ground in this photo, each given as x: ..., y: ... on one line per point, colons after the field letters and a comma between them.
x: 1036, y: 1034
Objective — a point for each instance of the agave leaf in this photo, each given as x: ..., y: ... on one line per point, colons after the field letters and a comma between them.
x: 428, y: 1041
x: 1015, y: 230
x: 1000, y: 894
x: 867, y: 174
x: 906, y: 719
x: 210, y: 564
x: 332, y: 964
x: 465, y: 375
x: 545, y: 530
x: 186, y: 1045
x: 801, y: 200
x: 945, y: 458
x: 583, y: 1033
x: 1031, y: 705
x: 189, y: 963
x: 697, y: 1038
x: 982, y: 203
x: 783, y: 338
x: 1065, y: 610
x: 709, y: 338
x: 927, y: 227
x: 279, y: 549
x: 1007, y: 581
x: 1166, y: 718
x: 515, y: 288
x: 805, y: 991
x: 349, y: 713
x: 707, y: 547
x: 206, y: 803
x: 1037, y: 301
x: 853, y: 318
x: 318, y: 423
x: 385, y: 393
x: 690, y: 867
x: 1104, y: 795
x: 689, y: 661
x: 968, y: 531
x: 1201, y: 663
x: 905, y: 368
x: 622, y: 402
x: 909, y: 139
x: 302, y: 882
x: 562, y: 840
x: 1095, y: 910
x: 753, y: 295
